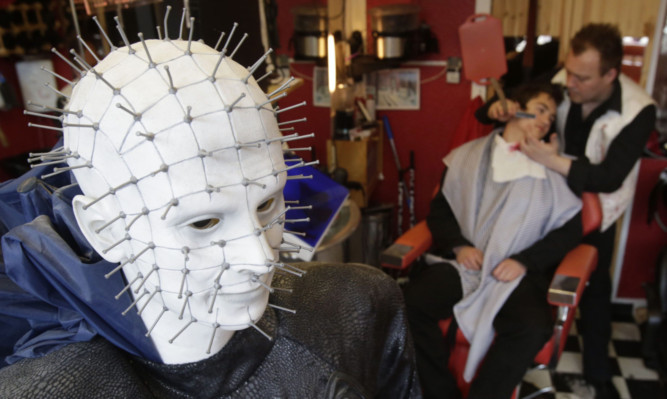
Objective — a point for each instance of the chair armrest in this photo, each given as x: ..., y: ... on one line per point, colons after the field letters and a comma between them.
x: 572, y: 275
x: 408, y: 247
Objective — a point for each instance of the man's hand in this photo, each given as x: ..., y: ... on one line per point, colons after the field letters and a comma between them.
x: 497, y: 112
x: 470, y: 257
x: 546, y: 153
x: 538, y: 150
x: 509, y: 270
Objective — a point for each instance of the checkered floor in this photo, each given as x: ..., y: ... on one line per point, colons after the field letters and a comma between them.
x: 631, y: 377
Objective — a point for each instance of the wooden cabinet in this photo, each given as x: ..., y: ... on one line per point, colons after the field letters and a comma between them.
x: 362, y: 159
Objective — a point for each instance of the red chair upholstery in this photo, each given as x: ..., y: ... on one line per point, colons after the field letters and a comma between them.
x: 564, y: 293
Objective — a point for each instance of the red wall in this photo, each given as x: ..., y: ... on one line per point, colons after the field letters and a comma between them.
x: 427, y: 131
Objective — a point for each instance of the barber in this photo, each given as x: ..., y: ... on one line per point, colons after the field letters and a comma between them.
x: 602, y: 127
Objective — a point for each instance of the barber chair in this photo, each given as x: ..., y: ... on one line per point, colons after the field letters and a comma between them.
x: 564, y: 294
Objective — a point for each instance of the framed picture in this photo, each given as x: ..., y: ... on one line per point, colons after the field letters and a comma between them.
x: 398, y: 89
x: 32, y: 80
x: 321, y: 97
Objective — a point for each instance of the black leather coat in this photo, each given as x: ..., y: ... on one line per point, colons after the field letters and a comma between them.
x: 348, y: 339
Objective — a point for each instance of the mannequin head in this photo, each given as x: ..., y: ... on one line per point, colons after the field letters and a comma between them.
x: 178, y: 154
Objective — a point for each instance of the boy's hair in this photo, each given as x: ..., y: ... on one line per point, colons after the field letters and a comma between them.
x: 606, y: 39
x: 526, y: 92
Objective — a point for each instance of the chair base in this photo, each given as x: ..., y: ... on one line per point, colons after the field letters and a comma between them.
x: 538, y: 392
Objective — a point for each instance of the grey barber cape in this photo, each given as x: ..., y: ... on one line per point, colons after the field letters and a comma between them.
x: 502, y: 207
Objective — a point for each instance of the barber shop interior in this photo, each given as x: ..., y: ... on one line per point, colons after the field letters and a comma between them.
x: 333, y: 199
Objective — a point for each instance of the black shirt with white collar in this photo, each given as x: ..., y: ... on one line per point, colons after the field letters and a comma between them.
x: 623, y: 151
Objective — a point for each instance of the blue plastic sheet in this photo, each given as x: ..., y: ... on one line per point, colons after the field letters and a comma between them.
x: 52, y: 286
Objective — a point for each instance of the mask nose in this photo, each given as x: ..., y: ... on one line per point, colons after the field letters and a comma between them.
x: 252, y: 252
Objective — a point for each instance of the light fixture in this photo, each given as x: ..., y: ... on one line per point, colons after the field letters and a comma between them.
x: 331, y: 62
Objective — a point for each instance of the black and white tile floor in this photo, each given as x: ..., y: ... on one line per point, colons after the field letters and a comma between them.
x: 631, y: 377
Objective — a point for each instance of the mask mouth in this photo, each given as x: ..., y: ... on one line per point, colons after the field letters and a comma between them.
x: 218, y: 284
x: 250, y: 285
x: 209, y: 301
x: 245, y: 297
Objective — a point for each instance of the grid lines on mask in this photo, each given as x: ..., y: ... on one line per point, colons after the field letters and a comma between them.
x: 141, y: 135
x: 181, y: 119
x: 128, y: 111
x: 144, y: 143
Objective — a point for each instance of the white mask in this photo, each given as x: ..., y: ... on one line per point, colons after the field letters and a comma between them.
x: 182, y: 176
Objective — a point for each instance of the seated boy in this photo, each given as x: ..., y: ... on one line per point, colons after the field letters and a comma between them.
x: 508, y: 222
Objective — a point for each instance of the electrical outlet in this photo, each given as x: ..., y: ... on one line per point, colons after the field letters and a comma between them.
x: 454, y: 77
x: 454, y: 70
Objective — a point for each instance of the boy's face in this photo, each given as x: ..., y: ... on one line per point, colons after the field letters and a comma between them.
x: 544, y: 108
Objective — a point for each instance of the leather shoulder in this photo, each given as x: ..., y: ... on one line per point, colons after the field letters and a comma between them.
x: 94, y: 369
x: 349, y: 315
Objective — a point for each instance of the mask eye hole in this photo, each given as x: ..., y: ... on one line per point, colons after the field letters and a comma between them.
x: 204, y: 224
x: 265, y: 206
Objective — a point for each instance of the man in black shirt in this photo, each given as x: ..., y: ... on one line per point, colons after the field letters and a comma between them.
x: 603, y: 126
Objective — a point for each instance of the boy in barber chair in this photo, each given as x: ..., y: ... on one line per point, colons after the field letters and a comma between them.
x: 157, y: 274
x: 507, y: 222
